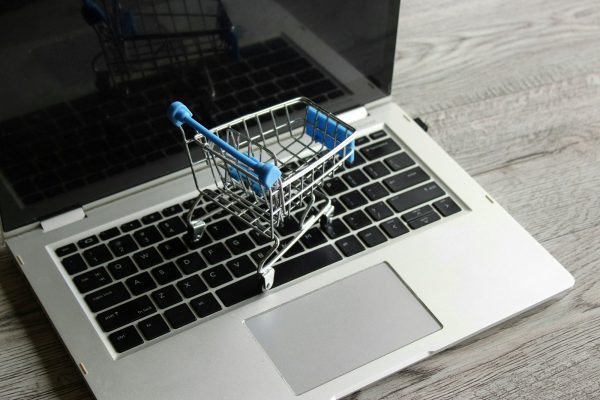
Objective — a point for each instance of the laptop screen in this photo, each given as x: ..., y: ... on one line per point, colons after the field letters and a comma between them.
x: 85, y: 86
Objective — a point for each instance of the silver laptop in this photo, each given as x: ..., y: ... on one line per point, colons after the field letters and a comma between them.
x: 95, y: 190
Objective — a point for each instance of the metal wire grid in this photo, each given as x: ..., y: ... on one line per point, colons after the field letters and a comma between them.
x: 276, y: 135
x: 141, y: 37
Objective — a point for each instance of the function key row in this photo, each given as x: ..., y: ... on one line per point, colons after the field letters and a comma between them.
x: 130, y: 226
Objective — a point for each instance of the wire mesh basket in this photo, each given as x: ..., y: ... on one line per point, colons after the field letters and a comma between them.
x: 139, y: 38
x: 267, y: 166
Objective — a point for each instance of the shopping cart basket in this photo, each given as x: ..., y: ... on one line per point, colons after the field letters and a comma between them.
x: 139, y: 38
x: 268, y: 166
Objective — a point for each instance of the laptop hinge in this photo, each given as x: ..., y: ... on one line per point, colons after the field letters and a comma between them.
x: 354, y: 115
x: 63, y: 219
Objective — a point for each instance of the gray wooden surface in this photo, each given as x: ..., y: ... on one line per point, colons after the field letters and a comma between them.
x: 512, y: 91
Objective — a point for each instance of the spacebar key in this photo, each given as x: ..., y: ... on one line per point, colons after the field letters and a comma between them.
x: 284, y: 272
x: 241, y: 290
x: 305, y: 264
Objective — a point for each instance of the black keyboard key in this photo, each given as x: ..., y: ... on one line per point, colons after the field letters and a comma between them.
x: 259, y: 255
x: 122, y: 245
x: 334, y: 186
x: 241, y: 290
x: 377, y: 135
x: 131, y: 225
x: 216, y: 276
x: 376, y: 170
x: 361, y: 140
x: 107, y: 297
x: 259, y: 238
x: 220, y: 229
x: 353, y: 199
x: 241, y: 266
x: 87, y: 242
x: 357, y: 220
x: 312, y: 238
x: 338, y: 208
x: 288, y: 226
x: 375, y: 191
x: 406, y: 179
x: 423, y: 220
x: 349, y: 246
x: 125, y: 339
x: 194, y: 245
x: 147, y: 258
x: 191, y: 286
x: 399, y: 161
x: 121, y: 268
x: 172, y: 248
x: 189, y: 203
x: 147, y: 236
x: 191, y: 263
x: 239, y: 244
x: 393, y: 228
x: 216, y: 253
x: 336, y: 228
x: 97, y: 255
x: 140, y: 283
x: 150, y: 218
x: 379, y: 211
x: 172, y: 226
x: 92, y: 280
x: 239, y: 223
x: 166, y: 296
x: 73, y: 264
x: 66, y: 249
x: 306, y: 263
x: 446, y: 206
x: 372, y: 236
x: 205, y: 305
x: 355, y: 178
x: 358, y: 161
x: 294, y: 249
x: 415, y: 196
x: 125, y: 313
x: 380, y: 149
x: 179, y: 316
x: 417, y: 212
x: 166, y: 273
x: 109, y: 233
x: 172, y: 210
x: 153, y: 327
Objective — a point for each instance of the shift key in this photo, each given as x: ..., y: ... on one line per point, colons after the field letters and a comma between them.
x: 125, y: 313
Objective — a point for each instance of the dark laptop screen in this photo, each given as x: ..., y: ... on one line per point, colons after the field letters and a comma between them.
x: 84, y: 86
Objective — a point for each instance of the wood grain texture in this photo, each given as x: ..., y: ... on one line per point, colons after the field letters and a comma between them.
x: 512, y: 91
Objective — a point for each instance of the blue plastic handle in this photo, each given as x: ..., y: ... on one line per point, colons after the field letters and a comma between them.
x: 267, y: 173
x: 327, y: 131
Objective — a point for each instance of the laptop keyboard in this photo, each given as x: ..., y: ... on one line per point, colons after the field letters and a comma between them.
x: 142, y: 279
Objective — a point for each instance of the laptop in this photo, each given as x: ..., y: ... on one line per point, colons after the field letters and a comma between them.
x: 95, y: 191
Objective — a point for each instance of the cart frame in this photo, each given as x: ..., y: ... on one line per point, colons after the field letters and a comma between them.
x: 267, y: 166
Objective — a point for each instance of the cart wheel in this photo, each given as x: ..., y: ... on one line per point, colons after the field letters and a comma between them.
x: 325, y: 220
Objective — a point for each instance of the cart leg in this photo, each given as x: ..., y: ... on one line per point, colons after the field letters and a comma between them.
x: 268, y: 278
x: 196, y: 229
x: 195, y: 225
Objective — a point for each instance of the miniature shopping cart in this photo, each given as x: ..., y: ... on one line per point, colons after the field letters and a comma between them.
x: 266, y: 167
x: 139, y: 38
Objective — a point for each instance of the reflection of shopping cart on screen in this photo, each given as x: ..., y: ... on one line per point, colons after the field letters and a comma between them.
x: 268, y: 166
x: 139, y: 38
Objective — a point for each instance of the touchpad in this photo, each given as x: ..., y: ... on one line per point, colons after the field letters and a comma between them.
x: 340, y: 327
